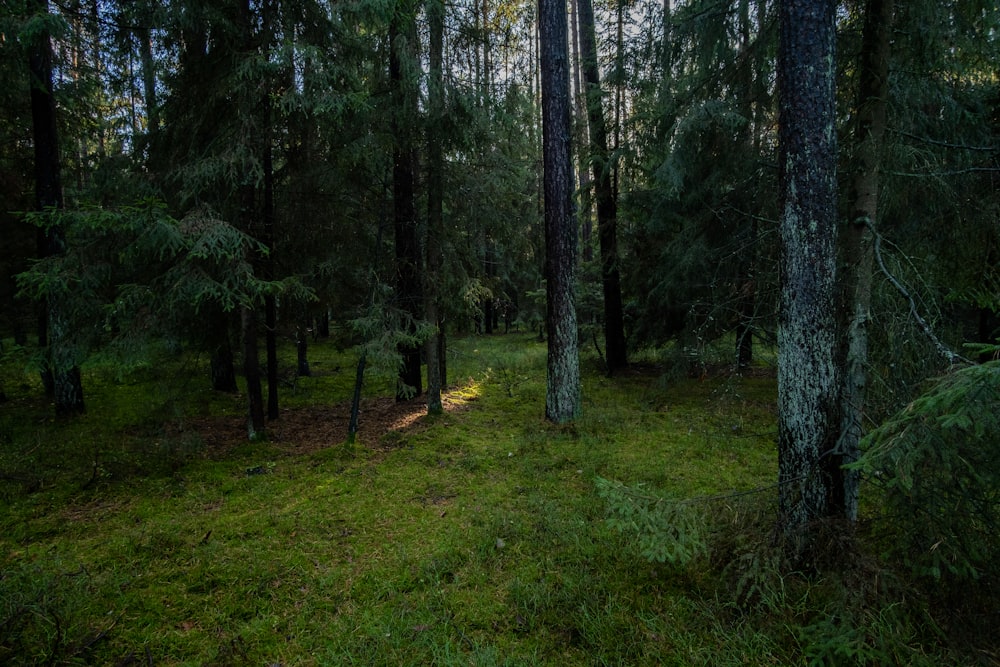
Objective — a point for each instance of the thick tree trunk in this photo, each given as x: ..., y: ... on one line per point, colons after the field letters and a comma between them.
x: 402, y: 60
x: 808, y: 426
x: 856, y: 241
x: 562, y: 397
x: 61, y: 373
x: 607, y: 204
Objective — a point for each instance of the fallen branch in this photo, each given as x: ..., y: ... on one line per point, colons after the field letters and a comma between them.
x: 951, y: 356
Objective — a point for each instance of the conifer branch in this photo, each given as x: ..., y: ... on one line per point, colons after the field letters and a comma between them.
x: 950, y: 355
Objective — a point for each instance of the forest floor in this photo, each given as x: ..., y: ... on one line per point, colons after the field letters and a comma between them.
x: 149, y: 531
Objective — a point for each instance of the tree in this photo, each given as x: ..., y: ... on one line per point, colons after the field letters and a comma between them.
x: 54, y: 328
x: 607, y: 204
x: 435, y: 203
x: 402, y: 76
x: 856, y: 239
x: 809, y: 476
x: 562, y: 397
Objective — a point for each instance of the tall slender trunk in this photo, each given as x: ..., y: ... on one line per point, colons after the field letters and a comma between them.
x: 562, y: 396
x: 807, y: 375
x: 61, y: 372
x: 856, y: 241
x: 148, y: 73
x: 270, y: 304
x: 582, y: 137
x: 251, y: 369
x: 402, y: 62
x: 607, y: 204
x: 746, y: 278
x: 435, y: 200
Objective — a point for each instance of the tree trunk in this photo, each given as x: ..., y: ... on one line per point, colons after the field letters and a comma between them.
x: 301, y: 352
x: 402, y: 62
x: 435, y: 199
x: 582, y: 137
x: 270, y: 305
x: 359, y: 380
x: 607, y: 204
x: 61, y: 371
x: 562, y: 397
x: 746, y: 277
x: 251, y: 369
x: 856, y: 241
x: 807, y: 375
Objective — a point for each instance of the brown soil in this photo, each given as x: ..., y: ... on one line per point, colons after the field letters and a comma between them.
x: 305, y: 430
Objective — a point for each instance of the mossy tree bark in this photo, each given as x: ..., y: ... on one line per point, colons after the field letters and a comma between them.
x: 807, y: 333
x: 562, y: 397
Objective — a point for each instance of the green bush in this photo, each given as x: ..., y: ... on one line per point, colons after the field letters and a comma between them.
x: 937, y: 464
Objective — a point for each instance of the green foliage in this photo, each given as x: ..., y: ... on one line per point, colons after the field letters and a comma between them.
x: 936, y: 466
x: 133, y: 273
x: 668, y: 530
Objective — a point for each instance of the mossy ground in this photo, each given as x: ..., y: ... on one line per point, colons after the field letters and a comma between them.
x: 131, y: 536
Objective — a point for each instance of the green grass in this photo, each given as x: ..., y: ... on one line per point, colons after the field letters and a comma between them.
x: 477, y: 538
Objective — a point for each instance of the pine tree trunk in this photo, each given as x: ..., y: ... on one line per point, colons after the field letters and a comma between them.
x: 301, y: 352
x: 435, y: 201
x: 251, y: 369
x: 359, y: 380
x: 403, y: 41
x: 582, y: 138
x: 562, y: 397
x: 607, y: 204
x: 856, y: 241
x: 270, y: 305
x: 61, y: 371
x: 807, y: 374
x: 746, y: 296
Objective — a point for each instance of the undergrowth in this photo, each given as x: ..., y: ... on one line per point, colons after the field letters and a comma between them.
x: 479, y: 536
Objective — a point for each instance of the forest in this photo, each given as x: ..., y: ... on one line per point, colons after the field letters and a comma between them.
x: 500, y: 332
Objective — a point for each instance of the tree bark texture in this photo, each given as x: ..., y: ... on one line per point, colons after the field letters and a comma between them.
x: 562, y: 397
x: 856, y: 240
x: 402, y: 61
x: 807, y: 333
x: 61, y: 372
x: 607, y: 202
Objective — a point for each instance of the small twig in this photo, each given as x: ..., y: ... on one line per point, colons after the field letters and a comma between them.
x: 951, y: 356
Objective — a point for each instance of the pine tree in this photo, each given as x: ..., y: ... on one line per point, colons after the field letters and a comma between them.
x: 808, y: 475
x: 562, y: 398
